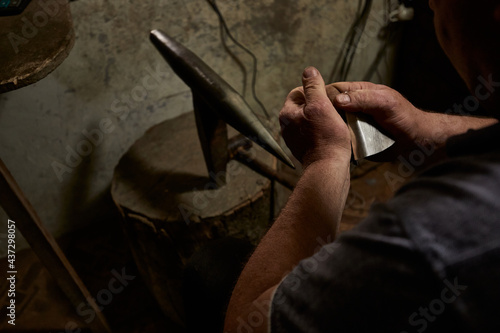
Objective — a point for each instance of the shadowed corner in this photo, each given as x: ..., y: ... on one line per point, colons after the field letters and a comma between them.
x: 77, y: 189
x: 209, y: 279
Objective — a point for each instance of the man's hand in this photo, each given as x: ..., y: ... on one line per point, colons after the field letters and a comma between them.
x: 390, y: 109
x: 319, y: 138
x: 310, y: 125
x: 408, y: 125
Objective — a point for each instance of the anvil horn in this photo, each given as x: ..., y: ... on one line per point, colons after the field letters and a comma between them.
x: 222, y: 98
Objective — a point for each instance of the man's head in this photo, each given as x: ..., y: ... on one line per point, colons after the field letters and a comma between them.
x: 469, y: 32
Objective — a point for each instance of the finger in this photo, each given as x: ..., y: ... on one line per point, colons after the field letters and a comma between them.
x: 296, y: 96
x: 292, y: 109
x: 314, y: 86
x: 371, y: 102
x: 352, y: 86
x: 295, y: 101
x: 332, y: 91
x: 315, y: 91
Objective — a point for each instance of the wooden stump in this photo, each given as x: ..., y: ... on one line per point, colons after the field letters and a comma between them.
x: 171, y: 208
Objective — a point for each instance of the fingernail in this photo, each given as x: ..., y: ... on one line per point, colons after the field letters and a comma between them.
x: 310, y: 72
x: 343, y: 98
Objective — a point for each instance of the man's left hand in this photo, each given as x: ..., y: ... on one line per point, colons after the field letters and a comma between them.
x: 310, y: 124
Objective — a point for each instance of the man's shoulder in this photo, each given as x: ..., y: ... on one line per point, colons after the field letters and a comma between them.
x: 451, y: 215
x: 451, y: 212
x: 440, y: 231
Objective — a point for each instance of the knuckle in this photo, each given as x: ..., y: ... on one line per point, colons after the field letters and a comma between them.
x: 381, y: 87
x: 332, y: 90
x: 345, y: 86
x: 295, y: 91
x: 339, y: 85
x: 287, y: 118
x: 317, y: 107
x: 359, y: 100
x: 393, y: 99
x: 310, y: 85
x: 284, y: 118
x: 296, y: 95
x: 361, y: 85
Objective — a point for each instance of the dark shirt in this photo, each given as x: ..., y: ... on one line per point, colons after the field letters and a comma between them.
x: 427, y: 260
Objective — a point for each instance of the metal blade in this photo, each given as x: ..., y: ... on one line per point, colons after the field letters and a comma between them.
x: 367, y: 140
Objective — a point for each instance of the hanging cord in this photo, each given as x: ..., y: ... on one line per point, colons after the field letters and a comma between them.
x: 359, y: 27
x: 392, y: 32
x: 224, y: 26
x: 350, y: 44
x: 235, y: 58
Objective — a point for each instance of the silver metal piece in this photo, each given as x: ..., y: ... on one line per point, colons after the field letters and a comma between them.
x: 367, y: 140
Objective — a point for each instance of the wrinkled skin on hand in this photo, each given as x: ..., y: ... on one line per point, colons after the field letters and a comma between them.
x: 310, y: 124
x: 389, y: 108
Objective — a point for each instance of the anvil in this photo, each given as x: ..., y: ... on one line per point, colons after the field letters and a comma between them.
x: 215, y: 104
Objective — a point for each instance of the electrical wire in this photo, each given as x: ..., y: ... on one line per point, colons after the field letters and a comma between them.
x: 223, y: 24
x: 381, y: 55
x: 392, y: 32
x: 359, y: 26
x: 350, y: 45
x: 235, y: 58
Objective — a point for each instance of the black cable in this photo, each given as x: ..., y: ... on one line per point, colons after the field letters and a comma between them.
x: 344, y: 49
x: 235, y: 58
x: 223, y: 23
x: 356, y: 37
x: 342, y: 56
x: 350, y: 44
x: 393, y: 33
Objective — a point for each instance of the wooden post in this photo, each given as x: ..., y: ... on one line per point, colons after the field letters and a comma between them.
x: 171, y: 208
x: 19, y: 209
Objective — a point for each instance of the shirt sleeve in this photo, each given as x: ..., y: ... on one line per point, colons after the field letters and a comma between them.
x: 370, y: 280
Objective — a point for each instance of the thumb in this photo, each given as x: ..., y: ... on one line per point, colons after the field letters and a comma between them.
x: 367, y: 101
x: 314, y: 86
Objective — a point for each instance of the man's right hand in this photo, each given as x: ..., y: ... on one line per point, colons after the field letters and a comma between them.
x: 390, y: 109
x: 408, y: 125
